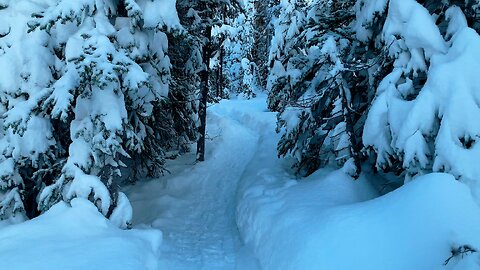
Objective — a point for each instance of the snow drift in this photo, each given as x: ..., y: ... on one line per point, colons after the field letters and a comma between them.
x: 77, y: 237
x: 325, y: 223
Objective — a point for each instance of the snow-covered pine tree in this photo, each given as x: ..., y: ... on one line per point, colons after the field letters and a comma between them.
x: 287, y: 26
x: 104, y: 69
x: 238, y: 63
x: 321, y: 90
x: 423, y: 115
x: 28, y: 152
x: 199, y: 17
x: 219, y: 43
x: 262, y: 16
x: 182, y: 104
x: 147, y: 45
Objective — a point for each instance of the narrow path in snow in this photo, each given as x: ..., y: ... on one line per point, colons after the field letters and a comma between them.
x: 195, y: 205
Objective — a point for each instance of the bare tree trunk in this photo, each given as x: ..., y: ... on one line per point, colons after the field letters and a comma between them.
x: 220, y: 69
x: 202, y: 111
x: 221, y: 57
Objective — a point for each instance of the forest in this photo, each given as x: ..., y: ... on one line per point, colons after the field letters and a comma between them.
x: 240, y: 134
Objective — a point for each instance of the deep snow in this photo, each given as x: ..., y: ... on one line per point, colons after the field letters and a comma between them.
x: 200, y: 215
x: 195, y: 206
x: 76, y: 237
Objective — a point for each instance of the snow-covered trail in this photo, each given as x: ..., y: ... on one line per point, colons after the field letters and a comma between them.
x: 194, y: 206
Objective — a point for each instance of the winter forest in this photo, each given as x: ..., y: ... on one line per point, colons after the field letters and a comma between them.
x: 240, y: 134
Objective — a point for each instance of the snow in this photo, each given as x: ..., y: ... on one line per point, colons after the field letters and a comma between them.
x: 291, y: 115
x: 195, y: 205
x: 415, y: 25
x: 286, y: 223
x: 77, y: 237
x: 83, y: 185
x: 122, y: 214
x: 427, y: 131
x: 244, y: 209
x: 100, y: 84
x: 319, y: 222
x: 457, y: 20
x: 160, y: 13
x: 365, y: 14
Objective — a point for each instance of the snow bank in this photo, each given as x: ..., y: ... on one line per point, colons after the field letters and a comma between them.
x: 327, y: 222
x: 76, y: 237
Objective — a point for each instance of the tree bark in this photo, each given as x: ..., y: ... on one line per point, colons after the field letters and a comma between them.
x: 204, y: 95
x: 220, y: 70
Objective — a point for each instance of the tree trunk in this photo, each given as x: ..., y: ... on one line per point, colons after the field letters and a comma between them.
x: 220, y: 70
x: 349, y: 126
x: 221, y: 57
x: 202, y: 111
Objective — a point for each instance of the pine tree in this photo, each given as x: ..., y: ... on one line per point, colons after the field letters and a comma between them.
x: 105, y: 74
x: 199, y: 17
x: 28, y: 150
x: 288, y: 26
x: 183, y: 103
x: 262, y: 16
x: 238, y: 63
x: 321, y: 88
x: 419, y: 120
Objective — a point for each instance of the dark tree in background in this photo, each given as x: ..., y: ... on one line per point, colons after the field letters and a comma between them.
x: 198, y: 18
x: 263, y: 31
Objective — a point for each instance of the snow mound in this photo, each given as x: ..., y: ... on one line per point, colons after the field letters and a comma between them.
x: 327, y: 222
x: 77, y: 237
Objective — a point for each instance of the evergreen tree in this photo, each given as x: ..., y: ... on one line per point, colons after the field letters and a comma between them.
x: 28, y: 152
x: 97, y: 74
x: 199, y: 18
x: 321, y: 87
x: 288, y: 26
x: 262, y: 16
x: 238, y: 63
x: 328, y: 58
x: 182, y: 102
x: 420, y: 119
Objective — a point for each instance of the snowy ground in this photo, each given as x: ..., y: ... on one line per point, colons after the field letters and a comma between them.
x: 77, y: 237
x: 195, y: 206
x: 244, y: 194
x: 330, y: 221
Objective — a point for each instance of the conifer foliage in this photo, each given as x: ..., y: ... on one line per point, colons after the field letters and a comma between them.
x: 200, y: 17
x: 422, y: 117
x: 96, y: 96
x: 96, y: 92
x: 234, y: 57
x: 105, y: 70
x: 377, y: 80
x: 319, y: 85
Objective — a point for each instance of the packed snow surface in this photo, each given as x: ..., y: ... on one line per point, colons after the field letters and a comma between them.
x: 195, y: 206
x: 243, y: 209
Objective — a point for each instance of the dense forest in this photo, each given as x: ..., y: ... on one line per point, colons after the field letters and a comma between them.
x: 99, y: 97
